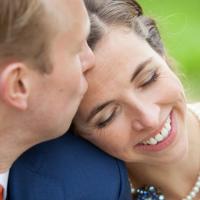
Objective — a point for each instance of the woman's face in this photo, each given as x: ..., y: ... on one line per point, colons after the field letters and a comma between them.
x: 134, y: 108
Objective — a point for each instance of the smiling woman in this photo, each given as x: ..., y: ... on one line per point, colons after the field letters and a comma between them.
x: 135, y: 107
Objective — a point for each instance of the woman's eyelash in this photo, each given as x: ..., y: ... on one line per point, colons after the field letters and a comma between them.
x: 104, y: 123
x: 152, y: 79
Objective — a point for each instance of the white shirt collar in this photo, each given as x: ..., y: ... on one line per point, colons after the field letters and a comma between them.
x: 4, y: 182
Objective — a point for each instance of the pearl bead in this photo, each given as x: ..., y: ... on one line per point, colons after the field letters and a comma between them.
x: 192, y: 194
x: 196, y: 189
x: 132, y: 190
x: 188, y: 197
x: 198, y: 184
x: 161, y: 197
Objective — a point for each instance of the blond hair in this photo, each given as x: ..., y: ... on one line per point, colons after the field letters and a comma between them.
x: 24, y: 33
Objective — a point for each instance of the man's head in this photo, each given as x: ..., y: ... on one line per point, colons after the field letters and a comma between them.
x: 43, y: 55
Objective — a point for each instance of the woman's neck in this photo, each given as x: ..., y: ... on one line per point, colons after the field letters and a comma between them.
x: 175, y: 179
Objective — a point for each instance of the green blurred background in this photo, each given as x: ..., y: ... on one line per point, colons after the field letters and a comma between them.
x: 179, y: 24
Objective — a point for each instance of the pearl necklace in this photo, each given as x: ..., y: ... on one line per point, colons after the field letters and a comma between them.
x: 151, y: 193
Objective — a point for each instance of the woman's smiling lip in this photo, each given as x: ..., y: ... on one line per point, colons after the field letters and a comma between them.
x: 155, y: 132
x: 163, y: 144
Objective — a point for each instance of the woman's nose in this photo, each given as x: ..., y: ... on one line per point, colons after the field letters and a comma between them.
x: 146, y: 117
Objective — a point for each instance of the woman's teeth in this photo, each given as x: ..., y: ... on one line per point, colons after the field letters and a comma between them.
x: 160, y: 136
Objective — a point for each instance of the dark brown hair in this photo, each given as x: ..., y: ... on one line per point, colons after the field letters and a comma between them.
x: 126, y: 13
x: 24, y: 32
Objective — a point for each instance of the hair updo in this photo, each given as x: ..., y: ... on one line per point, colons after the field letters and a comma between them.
x: 125, y: 13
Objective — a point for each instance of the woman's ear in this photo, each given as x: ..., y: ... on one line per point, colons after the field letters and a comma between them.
x: 15, y: 85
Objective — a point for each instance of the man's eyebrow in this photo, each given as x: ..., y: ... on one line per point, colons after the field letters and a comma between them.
x: 139, y: 68
x: 97, y: 109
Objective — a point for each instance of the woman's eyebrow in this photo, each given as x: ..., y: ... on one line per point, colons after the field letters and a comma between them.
x: 139, y: 68
x: 97, y: 109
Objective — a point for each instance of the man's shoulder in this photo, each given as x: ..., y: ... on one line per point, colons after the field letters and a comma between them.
x: 71, y: 163
x: 63, y: 153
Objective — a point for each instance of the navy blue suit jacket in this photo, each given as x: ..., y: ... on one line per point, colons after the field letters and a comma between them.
x: 67, y: 168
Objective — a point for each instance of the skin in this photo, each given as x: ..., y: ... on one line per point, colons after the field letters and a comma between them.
x: 35, y: 106
x: 71, y: 58
x: 135, y: 109
x: 140, y: 106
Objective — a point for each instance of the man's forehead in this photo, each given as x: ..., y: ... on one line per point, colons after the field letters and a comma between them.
x: 66, y: 11
x: 78, y: 17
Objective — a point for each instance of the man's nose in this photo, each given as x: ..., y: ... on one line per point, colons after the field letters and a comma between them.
x: 87, y: 58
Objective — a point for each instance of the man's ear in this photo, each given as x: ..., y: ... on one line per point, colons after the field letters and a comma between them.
x: 15, y: 85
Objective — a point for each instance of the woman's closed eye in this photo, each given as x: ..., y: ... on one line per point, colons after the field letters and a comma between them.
x: 152, y: 77
x: 107, y: 118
